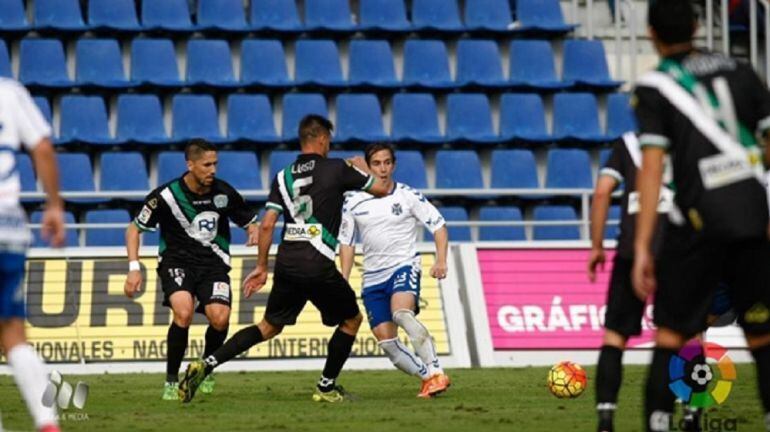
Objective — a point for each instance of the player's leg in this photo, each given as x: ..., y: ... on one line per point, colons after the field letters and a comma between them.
x: 336, y: 301
x: 622, y: 320
x: 218, y: 316
x: 688, y: 272
x: 182, y: 306
x: 28, y: 370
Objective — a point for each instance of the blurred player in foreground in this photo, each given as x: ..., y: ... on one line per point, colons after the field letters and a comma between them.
x: 22, y: 124
x: 388, y: 228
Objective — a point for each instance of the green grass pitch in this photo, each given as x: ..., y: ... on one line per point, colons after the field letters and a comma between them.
x: 479, y: 400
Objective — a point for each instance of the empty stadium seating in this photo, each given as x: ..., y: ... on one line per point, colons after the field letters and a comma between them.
x: 478, y: 94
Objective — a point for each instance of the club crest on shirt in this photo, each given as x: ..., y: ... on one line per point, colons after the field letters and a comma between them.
x: 220, y: 201
x: 396, y: 209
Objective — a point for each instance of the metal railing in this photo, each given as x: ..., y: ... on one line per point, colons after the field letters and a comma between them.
x: 630, y: 53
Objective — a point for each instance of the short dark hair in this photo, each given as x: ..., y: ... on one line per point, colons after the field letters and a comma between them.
x: 672, y: 20
x: 313, y: 126
x: 196, y: 147
x: 373, y: 148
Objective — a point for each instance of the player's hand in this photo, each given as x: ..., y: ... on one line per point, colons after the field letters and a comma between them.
x: 359, y: 162
x: 438, y: 270
x: 52, y: 228
x: 596, y: 259
x: 253, y: 233
x: 643, y: 275
x: 133, y: 283
x: 254, y: 281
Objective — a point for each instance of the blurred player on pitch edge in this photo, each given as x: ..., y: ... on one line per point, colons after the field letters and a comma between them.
x: 391, y: 279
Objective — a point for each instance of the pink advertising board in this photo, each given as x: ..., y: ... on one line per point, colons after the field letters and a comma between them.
x: 542, y: 299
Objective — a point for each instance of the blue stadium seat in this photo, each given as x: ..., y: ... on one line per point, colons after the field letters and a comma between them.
x: 60, y: 15
x: 153, y: 61
x: 195, y: 116
x: 5, y: 61
x: 426, y: 64
x: 226, y: 15
x: 478, y: 63
x: 298, y: 105
x: 620, y: 116
x: 441, y: 15
x: 171, y: 165
x: 410, y: 169
x: 388, y: 15
x: 44, y: 106
x: 488, y: 15
x: 117, y: 15
x: 514, y: 169
x: 317, y: 63
x: 106, y: 236
x: 371, y: 64
x: 240, y: 169
x: 585, y: 63
x: 100, y: 63
x: 263, y: 63
x: 457, y: 233
x: 169, y: 15
x: 568, y: 169
x: 541, y: 16
x: 278, y: 15
x: 558, y: 232
x: 209, y: 63
x: 522, y: 117
x: 250, y: 118
x: 458, y: 169
x: 114, y: 167
x: 327, y: 15
x: 27, y: 177
x: 140, y: 119
x: 84, y: 119
x: 469, y: 118
x: 612, y: 230
x: 12, y: 16
x: 501, y: 233
x: 76, y: 175
x: 576, y: 117
x: 42, y: 63
x: 532, y: 65
x: 415, y: 118
x: 71, y: 234
x: 280, y: 159
x: 359, y: 118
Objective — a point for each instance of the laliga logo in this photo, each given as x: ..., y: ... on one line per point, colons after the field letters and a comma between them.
x: 60, y: 392
x: 692, y: 379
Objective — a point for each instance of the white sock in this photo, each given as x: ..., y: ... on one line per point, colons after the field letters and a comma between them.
x: 404, y: 359
x: 421, y: 340
x: 32, y: 379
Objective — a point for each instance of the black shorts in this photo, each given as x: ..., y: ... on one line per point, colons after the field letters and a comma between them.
x: 204, y: 284
x: 329, y: 292
x: 689, y: 271
x: 624, y: 310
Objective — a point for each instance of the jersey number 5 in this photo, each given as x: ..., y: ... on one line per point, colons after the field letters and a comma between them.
x: 303, y: 204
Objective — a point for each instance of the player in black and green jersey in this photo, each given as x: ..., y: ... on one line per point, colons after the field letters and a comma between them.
x: 309, y: 193
x: 193, y: 213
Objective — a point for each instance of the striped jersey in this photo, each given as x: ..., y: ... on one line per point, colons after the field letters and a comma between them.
x: 22, y: 127
x: 309, y: 193
x: 194, y: 229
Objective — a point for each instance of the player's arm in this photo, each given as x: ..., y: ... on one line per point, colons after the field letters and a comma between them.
x: 243, y: 216
x: 441, y: 239
x: 431, y: 219
x: 648, y: 185
x: 44, y: 158
x: 258, y: 278
x: 347, y: 256
x: 375, y: 186
x: 599, y: 209
x: 133, y: 282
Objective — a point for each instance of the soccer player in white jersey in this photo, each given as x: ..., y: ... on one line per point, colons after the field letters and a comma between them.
x: 22, y: 124
x: 388, y: 228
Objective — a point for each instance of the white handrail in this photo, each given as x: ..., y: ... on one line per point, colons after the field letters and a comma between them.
x: 725, y: 27
x: 710, y: 24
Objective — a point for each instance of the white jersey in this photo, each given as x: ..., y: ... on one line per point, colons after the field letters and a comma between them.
x: 21, y: 124
x: 388, y: 229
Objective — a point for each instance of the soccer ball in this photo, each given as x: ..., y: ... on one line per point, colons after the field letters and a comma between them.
x: 567, y: 380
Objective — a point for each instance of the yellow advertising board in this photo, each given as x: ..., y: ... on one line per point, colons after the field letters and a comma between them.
x: 77, y: 312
